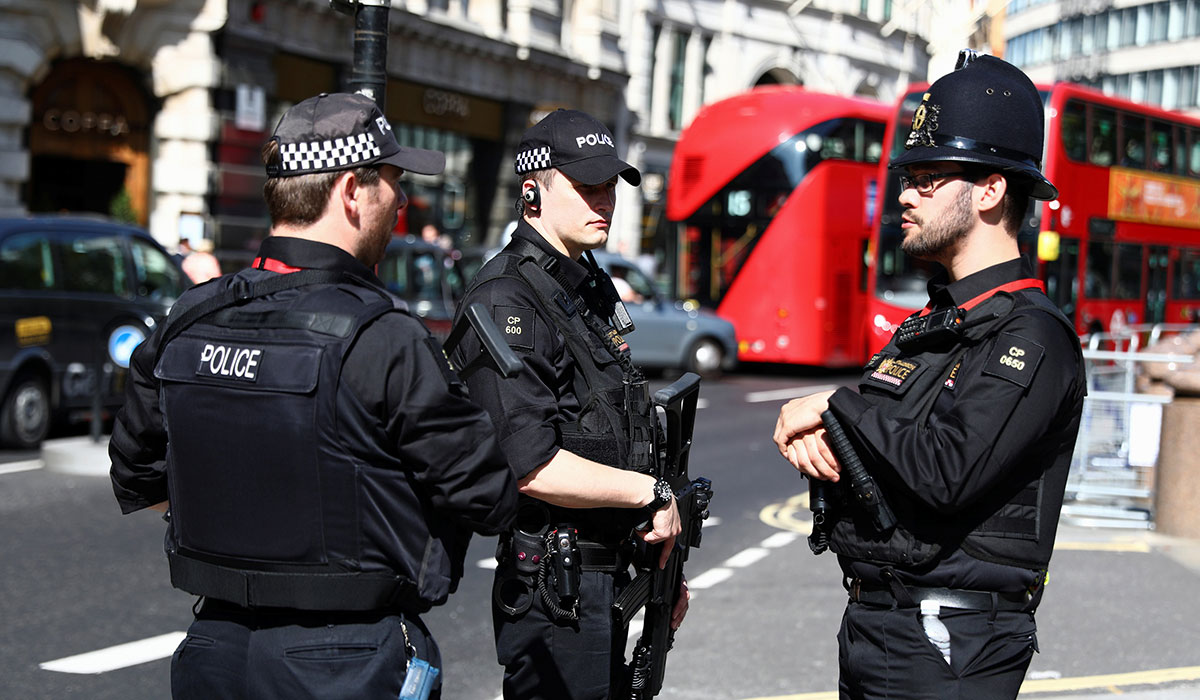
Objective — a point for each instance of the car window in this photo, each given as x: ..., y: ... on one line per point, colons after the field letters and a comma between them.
x: 426, y: 283
x: 93, y: 264
x: 640, y: 282
x: 454, y: 278
x: 157, y: 276
x: 393, y: 271
x: 26, y: 262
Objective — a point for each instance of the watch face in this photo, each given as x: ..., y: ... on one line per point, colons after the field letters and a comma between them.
x: 662, y: 492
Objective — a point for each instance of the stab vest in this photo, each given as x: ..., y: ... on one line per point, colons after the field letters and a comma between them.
x: 264, y: 451
x: 616, y: 424
x: 1015, y: 524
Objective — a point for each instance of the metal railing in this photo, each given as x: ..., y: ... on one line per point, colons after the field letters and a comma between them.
x: 1111, y: 483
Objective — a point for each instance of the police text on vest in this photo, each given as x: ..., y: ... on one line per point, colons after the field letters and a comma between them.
x: 228, y: 361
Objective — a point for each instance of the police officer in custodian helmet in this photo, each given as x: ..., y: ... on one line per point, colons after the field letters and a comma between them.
x: 579, y: 445
x: 966, y: 420
x: 319, y: 463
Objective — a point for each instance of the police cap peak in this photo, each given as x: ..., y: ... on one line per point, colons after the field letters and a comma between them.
x: 987, y: 112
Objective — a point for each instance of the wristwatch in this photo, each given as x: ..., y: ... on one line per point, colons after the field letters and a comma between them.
x: 663, y: 493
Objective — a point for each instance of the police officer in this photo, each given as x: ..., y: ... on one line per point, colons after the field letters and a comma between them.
x: 966, y: 420
x: 318, y: 461
x: 574, y: 423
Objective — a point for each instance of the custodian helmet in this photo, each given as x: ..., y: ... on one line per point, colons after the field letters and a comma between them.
x: 988, y: 112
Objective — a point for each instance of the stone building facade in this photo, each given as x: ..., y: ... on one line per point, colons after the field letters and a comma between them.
x: 154, y: 110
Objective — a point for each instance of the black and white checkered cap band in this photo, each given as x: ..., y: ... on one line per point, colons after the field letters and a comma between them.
x: 533, y: 159
x: 324, y: 155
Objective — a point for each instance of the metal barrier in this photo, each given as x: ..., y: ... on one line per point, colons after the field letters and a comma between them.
x: 1111, y: 483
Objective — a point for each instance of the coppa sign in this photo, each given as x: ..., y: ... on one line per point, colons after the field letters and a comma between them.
x: 229, y: 362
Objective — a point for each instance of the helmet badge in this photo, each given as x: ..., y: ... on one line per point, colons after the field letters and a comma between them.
x: 924, y: 123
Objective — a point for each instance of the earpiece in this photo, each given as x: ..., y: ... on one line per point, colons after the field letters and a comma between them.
x: 532, y: 197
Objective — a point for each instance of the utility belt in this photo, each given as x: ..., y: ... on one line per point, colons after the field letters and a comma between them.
x: 546, y: 559
x: 899, y: 595
x: 315, y: 591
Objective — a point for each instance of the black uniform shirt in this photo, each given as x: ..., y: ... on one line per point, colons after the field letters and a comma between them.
x: 980, y: 428
x: 528, y: 409
x: 444, y: 441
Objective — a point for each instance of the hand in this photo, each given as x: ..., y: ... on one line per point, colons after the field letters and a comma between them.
x: 810, y: 454
x: 681, y: 605
x: 799, y: 435
x: 664, y: 526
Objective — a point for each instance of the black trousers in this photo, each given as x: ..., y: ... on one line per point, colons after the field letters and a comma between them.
x: 547, y: 659
x: 233, y: 653
x: 883, y: 653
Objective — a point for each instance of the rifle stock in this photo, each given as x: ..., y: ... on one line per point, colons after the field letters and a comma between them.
x: 657, y: 590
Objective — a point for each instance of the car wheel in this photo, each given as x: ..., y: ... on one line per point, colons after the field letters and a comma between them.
x: 706, y: 357
x: 25, y: 416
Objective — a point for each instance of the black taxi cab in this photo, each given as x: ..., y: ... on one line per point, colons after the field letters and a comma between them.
x: 77, y: 295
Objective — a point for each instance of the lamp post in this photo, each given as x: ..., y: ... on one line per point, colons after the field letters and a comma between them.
x: 369, y: 74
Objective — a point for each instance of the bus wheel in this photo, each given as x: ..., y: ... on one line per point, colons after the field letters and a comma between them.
x: 705, y: 357
x: 25, y: 415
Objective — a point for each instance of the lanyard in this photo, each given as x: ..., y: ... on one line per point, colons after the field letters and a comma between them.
x: 1028, y: 283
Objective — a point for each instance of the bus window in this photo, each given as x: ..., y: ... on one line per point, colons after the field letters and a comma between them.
x: 1074, y: 135
x: 1129, y: 271
x: 1194, y: 157
x: 1098, y: 284
x: 1133, y: 141
x: 1104, y: 136
x: 873, y: 141
x: 1187, y: 274
x: 1160, y: 148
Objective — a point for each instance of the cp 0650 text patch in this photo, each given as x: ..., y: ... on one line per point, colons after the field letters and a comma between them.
x: 1014, y: 358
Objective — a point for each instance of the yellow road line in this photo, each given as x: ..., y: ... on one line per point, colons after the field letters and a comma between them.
x: 783, y: 515
x: 1113, y: 682
x: 1112, y: 546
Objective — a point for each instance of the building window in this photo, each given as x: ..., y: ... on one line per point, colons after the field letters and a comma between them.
x: 678, y: 70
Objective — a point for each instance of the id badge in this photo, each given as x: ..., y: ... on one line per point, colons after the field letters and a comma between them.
x: 418, y: 682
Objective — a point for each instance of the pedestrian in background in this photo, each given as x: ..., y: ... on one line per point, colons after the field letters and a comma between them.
x: 199, y: 264
x: 319, y: 463
x: 966, y: 420
x: 581, y: 453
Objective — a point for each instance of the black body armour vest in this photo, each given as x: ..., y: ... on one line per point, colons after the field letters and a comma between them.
x: 266, y: 456
x: 616, y: 424
x: 1013, y: 526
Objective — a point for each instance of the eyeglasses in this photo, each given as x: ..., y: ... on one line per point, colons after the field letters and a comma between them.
x: 926, y: 183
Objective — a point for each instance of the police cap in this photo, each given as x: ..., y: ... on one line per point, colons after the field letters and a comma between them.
x: 342, y: 131
x: 988, y: 112
x: 575, y: 143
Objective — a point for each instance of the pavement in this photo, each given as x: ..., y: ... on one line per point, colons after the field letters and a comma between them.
x: 83, y: 457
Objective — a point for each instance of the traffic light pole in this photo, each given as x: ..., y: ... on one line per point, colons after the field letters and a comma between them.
x: 369, y: 74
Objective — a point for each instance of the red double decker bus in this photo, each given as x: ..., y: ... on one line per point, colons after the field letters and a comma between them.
x: 1121, y: 244
x: 775, y: 192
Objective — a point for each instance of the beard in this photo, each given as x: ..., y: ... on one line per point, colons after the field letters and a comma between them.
x: 936, y: 237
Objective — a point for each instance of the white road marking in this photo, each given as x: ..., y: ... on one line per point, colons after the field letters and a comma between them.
x: 490, y: 563
x: 780, y: 539
x: 746, y: 557
x: 785, y: 394
x: 709, y: 578
x: 701, y: 403
x: 120, y: 656
x: 27, y: 465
